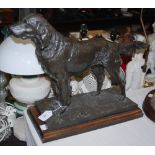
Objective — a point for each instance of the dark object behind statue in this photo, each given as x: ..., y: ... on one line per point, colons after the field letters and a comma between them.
x: 148, y: 105
x: 61, y: 57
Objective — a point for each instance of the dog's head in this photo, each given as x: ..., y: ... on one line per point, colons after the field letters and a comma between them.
x: 34, y: 27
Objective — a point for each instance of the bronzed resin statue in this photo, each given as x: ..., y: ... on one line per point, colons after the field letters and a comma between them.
x: 61, y: 57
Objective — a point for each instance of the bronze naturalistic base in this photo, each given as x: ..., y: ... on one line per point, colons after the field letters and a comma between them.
x: 148, y: 109
x: 86, y: 112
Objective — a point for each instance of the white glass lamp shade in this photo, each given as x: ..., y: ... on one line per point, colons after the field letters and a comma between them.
x: 17, y: 56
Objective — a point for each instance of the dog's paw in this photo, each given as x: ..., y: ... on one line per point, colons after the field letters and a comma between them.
x: 121, y: 98
x: 95, y: 93
x: 57, y: 108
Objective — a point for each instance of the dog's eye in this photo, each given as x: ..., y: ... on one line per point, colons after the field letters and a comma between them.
x: 42, y: 30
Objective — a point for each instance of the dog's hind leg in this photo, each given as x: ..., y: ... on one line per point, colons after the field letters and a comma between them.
x: 98, y: 71
x: 115, y: 74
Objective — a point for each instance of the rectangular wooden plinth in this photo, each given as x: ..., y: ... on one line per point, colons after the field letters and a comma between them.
x: 80, y: 128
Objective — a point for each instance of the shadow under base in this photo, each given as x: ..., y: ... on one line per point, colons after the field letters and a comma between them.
x: 86, y: 112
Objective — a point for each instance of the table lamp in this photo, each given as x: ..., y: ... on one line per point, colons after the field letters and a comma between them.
x: 17, y: 57
x: 28, y: 84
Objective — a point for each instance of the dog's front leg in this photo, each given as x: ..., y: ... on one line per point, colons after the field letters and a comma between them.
x: 55, y: 89
x: 62, y: 94
x: 64, y: 89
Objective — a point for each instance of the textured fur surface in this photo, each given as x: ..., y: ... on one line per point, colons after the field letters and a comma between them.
x: 61, y: 57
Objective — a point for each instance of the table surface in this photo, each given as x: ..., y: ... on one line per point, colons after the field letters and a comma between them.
x: 137, y: 132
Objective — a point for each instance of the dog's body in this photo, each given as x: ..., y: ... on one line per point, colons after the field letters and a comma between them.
x: 62, y: 57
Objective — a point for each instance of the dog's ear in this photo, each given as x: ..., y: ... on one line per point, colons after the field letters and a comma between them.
x: 33, y: 16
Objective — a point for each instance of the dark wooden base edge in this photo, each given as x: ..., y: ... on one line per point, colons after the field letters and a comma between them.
x: 47, y: 136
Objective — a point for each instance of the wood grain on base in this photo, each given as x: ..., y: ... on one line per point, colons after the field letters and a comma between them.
x: 83, y: 127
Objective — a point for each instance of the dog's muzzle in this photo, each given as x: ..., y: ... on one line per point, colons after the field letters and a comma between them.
x: 18, y: 29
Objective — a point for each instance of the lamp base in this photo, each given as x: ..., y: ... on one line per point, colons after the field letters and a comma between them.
x: 29, y: 89
x: 20, y: 107
x: 19, y: 129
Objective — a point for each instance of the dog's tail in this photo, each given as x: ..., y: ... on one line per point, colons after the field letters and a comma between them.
x: 130, y: 48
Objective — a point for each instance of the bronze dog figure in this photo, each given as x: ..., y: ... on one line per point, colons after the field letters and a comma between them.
x: 61, y: 57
